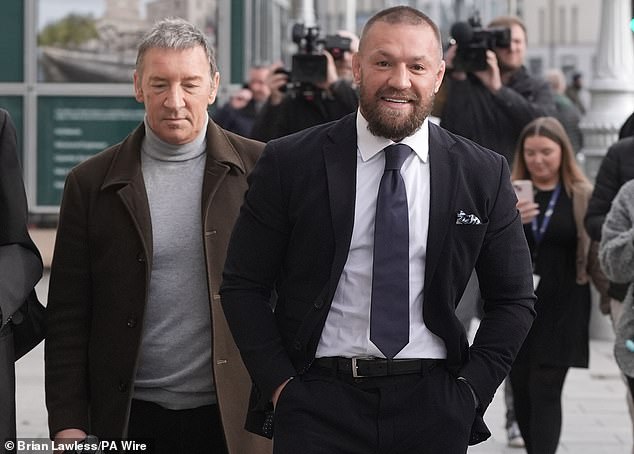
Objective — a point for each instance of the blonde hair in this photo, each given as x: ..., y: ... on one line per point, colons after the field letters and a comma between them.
x: 570, y: 172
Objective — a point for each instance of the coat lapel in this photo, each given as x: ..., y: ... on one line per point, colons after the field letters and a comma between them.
x: 340, y: 158
x: 125, y: 172
x: 221, y: 156
x: 443, y: 194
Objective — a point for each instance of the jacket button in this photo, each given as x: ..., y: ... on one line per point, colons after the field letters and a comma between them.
x: 318, y: 304
x: 131, y: 322
x: 122, y: 387
x: 297, y: 345
x: 140, y: 257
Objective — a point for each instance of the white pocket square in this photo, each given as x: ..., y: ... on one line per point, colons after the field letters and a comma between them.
x: 467, y: 219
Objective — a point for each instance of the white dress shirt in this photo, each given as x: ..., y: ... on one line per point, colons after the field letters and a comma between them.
x: 347, y: 329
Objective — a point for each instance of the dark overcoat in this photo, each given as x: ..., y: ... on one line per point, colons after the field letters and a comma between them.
x: 20, y: 267
x: 99, y: 287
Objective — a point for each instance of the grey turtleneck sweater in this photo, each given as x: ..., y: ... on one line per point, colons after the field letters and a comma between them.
x: 174, y: 368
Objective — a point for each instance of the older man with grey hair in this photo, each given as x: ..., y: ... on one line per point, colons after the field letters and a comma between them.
x: 138, y: 346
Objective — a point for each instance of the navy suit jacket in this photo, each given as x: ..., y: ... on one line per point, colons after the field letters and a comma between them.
x: 294, y: 232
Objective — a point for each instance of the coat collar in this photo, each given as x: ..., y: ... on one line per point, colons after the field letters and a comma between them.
x: 125, y: 174
x: 126, y: 165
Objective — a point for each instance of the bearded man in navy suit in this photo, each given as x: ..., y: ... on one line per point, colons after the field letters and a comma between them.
x: 362, y: 353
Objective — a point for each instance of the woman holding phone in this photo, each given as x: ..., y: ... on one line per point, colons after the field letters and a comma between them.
x: 553, y: 224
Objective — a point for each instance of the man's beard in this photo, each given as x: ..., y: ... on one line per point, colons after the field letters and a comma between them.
x: 391, y: 123
x: 507, y: 68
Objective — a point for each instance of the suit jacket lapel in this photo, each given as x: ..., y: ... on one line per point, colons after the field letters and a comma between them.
x: 443, y: 193
x: 340, y: 159
x: 341, y: 163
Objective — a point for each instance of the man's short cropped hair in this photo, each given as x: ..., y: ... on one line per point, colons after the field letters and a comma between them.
x: 403, y: 15
x: 175, y: 33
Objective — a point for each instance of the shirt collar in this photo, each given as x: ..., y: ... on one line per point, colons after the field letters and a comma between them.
x: 369, y: 145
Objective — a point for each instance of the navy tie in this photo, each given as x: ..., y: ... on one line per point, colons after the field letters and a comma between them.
x: 389, y: 317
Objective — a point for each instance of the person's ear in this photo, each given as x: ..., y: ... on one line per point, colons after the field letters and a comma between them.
x: 356, y: 68
x: 215, y: 83
x: 138, y: 91
x: 439, y: 76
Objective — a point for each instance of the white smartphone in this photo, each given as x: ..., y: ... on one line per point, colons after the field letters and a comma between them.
x: 523, y: 189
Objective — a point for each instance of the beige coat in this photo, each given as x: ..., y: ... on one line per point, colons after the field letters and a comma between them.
x: 581, y: 193
x: 588, y: 266
x: 99, y: 287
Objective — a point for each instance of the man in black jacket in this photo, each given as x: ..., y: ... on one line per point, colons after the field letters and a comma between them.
x: 309, y: 104
x: 241, y: 118
x: 313, y: 229
x: 310, y: 107
x: 492, y: 106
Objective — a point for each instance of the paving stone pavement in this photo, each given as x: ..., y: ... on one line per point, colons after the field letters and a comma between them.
x: 596, y: 419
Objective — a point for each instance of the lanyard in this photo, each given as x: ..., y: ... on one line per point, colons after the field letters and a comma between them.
x: 538, y: 231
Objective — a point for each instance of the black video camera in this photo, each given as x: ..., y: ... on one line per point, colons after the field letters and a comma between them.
x: 309, y: 64
x: 337, y: 45
x: 473, y: 41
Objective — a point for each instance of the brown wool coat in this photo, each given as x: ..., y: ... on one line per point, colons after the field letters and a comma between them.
x: 99, y: 287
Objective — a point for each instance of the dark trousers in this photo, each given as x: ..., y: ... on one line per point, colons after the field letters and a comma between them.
x: 537, y: 395
x: 320, y: 412
x: 192, y: 431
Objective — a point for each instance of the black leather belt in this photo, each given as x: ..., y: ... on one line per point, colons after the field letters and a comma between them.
x: 364, y: 367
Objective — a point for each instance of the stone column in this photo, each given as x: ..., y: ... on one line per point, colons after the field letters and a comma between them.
x: 306, y: 13
x: 611, y: 102
x: 612, y: 86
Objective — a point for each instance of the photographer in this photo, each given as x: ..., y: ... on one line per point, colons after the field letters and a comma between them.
x: 492, y: 105
x: 297, y: 103
x: 239, y: 113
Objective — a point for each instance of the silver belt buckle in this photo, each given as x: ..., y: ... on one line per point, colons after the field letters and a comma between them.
x: 355, y: 373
